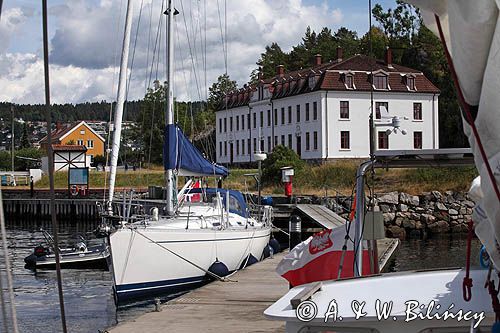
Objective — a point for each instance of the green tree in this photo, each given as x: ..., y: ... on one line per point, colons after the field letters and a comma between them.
x: 219, y: 89
x: 271, y: 58
x: 25, y: 141
x: 152, y: 126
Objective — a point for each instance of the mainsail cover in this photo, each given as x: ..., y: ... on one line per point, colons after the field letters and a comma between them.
x: 180, y: 155
x: 472, y: 33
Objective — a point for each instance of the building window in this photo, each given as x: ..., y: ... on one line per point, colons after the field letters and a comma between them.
x: 290, y: 141
x: 378, y: 112
x: 308, y: 143
x: 275, y: 117
x: 315, y: 140
x: 249, y: 146
x: 298, y: 113
x: 225, y: 148
x: 344, y: 109
x: 349, y: 82
x: 417, y: 111
x: 254, y: 120
x: 237, y: 123
x: 289, y: 114
x: 79, y: 142
x: 261, y: 145
x: 90, y: 143
x: 268, y: 117
x: 275, y: 140
x: 225, y: 124
x: 345, y: 140
x: 82, y: 132
x: 254, y: 145
x: 315, y: 110
x: 243, y: 147
x: 282, y: 116
x: 380, y: 82
x: 220, y: 148
x: 417, y: 140
x: 91, y: 158
x: 237, y: 147
x: 261, y: 118
x: 268, y: 144
x: 282, y: 140
x: 307, y: 111
x: 248, y: 120
x: 410, y: 83
x: 383, y: 140
x: 220, y: 125
x: 230, y: 124
x: 242, y: 121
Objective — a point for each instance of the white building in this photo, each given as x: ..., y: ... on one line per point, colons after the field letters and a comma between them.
x: 323, y: 112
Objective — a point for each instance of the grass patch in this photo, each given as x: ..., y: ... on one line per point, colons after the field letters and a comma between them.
x: 314, y: 180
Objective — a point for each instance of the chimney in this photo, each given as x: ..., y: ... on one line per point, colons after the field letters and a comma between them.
x: 388, y: 57
x: 339, y: 54
x: 280, y: 70
x: 58, y: 126
x: 317, y: 58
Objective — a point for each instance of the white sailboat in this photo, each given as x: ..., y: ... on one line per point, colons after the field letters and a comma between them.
x: 200, y: 233
x: 454, y: 300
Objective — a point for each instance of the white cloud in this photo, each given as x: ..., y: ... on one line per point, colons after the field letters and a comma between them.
x: 86, y: 42
x: 10, y: 25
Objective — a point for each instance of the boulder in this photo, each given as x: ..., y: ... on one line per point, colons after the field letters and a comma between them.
x: 469, y: 203
x: 440, y: 206
x: 439, y: 227
x: 396, y: 232
x: 390, y: 198
x: 388, y: 217
x: 403, y: 207
x: 452, y: 211
x: 437, y: 195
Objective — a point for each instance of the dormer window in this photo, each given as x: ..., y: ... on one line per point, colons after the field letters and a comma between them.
x: 410, y: 83
x: 312, y: 81
x: 349, y: 81
x: 380, y: 82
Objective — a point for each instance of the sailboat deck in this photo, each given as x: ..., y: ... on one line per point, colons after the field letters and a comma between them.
x: 234, y: 307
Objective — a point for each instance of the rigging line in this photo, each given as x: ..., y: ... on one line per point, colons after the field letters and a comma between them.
x: 51, y: 163
x: 149, y: 43
x: 8, y: 271
x: 158, y: 35
x: 2, y: 301
x: 181, y: 257
x: 190, y: 50
x: 133, y: 54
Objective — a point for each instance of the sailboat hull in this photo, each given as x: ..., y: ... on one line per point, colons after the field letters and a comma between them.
x: 148, y: 261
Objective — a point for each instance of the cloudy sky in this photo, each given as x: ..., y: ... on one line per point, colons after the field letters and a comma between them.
x: 86, y: 36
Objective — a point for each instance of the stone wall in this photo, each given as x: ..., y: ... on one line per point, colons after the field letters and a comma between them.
x: 433, y: 212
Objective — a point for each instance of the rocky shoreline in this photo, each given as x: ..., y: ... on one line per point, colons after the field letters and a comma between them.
x: 416, y: 216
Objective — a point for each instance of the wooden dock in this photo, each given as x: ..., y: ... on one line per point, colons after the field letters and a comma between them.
x: 235, y: 307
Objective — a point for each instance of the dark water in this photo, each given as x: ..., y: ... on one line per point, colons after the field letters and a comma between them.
x: 88, y: 293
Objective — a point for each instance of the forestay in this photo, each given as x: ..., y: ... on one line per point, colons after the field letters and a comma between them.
x: 181, y: 155
x: 472, y: 33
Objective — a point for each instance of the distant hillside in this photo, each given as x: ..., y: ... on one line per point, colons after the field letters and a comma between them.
x: 68, y: 112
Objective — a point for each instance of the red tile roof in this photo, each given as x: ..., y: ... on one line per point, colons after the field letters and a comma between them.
x: 58, y: 133
x: 56, y: 147
x: 329, y: 77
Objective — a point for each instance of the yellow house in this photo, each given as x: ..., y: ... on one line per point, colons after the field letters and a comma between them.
x: 80, y: 134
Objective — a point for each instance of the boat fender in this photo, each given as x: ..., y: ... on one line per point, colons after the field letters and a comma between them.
x: 155, y: 214
x: 40, y: 251
x: 249, y: 260
x: 219, y: 268
x: 275, y: 245
x: 81, y: 246
x: 266, y: 252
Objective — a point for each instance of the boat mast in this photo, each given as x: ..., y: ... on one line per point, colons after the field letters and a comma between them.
x: 122, y: 84
x: 169, y: 118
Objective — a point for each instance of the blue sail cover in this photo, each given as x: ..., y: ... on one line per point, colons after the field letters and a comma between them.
x: 180, y: 154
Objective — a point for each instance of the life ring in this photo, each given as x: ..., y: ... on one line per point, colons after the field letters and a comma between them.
x: 73, y: 190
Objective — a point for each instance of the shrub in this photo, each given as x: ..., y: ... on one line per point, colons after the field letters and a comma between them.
x: 281, y: 157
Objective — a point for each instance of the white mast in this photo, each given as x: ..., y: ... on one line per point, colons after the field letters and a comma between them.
x: 122, y: 83
x: 169, y: 119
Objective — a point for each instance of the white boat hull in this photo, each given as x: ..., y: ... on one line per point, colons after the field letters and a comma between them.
x: 147, y: 261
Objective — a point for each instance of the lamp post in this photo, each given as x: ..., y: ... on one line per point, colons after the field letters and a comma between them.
x: 259, y: 157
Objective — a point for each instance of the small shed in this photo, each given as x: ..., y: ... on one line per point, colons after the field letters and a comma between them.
x: 67, y: 156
